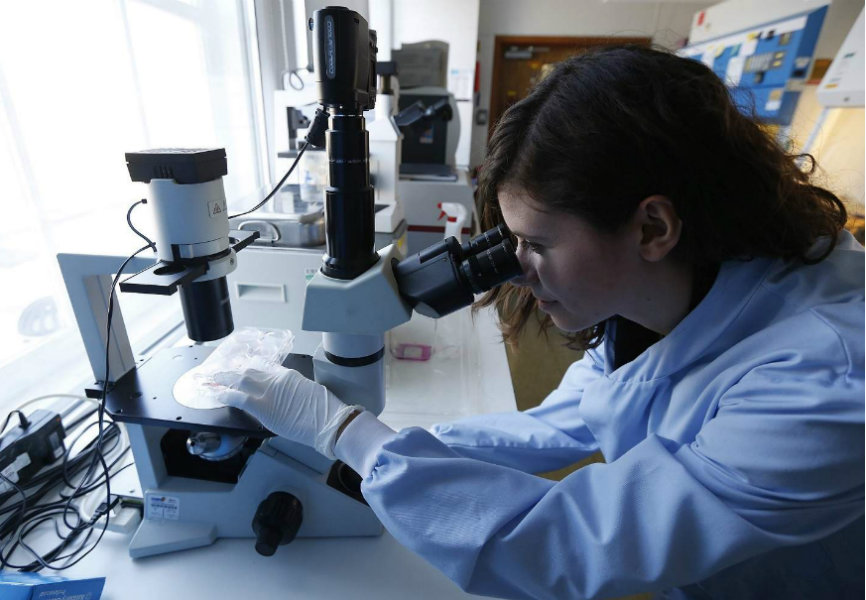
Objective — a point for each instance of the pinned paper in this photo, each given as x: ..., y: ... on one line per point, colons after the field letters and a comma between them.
x: 774, y: 102
x: 734, y: 71
x: 749, y: 46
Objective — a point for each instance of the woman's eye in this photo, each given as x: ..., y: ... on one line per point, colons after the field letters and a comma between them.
x: 537, y: 248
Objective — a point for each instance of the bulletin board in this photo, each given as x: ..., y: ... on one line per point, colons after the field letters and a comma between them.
x: 765, y: 66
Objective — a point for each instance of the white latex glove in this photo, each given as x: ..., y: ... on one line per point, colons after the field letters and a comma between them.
x: 288, y: 404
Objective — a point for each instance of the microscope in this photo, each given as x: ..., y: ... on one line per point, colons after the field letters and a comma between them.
x: 210, y: 473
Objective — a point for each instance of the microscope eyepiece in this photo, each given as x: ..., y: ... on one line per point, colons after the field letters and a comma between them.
x: 491, y: 267
x: 444, y: 277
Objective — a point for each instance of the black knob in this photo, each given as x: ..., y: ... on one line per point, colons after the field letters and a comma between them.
x: 276, y: 522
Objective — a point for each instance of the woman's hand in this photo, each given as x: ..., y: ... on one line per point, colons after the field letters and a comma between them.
x: 288, y: 404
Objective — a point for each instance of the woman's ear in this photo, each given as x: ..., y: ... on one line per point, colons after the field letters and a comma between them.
x: 660, y: 227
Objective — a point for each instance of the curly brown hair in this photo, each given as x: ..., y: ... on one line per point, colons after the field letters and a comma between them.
x: 615, y: 125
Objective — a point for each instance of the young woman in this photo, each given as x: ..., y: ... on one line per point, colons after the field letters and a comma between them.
x: 720, y: 305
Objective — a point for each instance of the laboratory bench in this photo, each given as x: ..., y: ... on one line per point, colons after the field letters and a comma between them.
x: 466, y: 374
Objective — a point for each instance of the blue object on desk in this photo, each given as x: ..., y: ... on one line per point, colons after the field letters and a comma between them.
x: 29, y: 586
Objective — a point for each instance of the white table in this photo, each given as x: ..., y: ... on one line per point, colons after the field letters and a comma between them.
x: 312, y: 569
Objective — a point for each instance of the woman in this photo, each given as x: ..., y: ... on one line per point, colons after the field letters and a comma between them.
x: 720, y: 305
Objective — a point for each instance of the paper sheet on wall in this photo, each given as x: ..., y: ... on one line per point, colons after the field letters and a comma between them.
x: 735, y: 70
x: 460, y: 83
x: 774, y: 101
x: 749, y: 46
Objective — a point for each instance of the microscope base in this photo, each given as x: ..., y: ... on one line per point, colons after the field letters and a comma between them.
x: 160, y: 537
x: 182, y: 513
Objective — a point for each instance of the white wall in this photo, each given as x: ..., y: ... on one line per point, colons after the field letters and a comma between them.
x: 668, y: 23
x: 452, y: 21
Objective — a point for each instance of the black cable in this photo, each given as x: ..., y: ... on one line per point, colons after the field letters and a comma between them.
x: 3, y: 562
x: 95, y: 453
x: 22, y: 420
x: 79, y: 420
x: 111, y: 432
x: 278, y: 186
x: 150, y: 243
x: 49, y: 511
x: 101, y: 410
x: 55, y: 475
x: 30, y: 513
x: 86, y: 526
x: 27, y: 514
x: 79, y: 463
x: 42, y: 560
x: 32, y: 524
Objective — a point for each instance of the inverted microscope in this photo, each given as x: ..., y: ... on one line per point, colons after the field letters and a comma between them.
x: 210, y: 473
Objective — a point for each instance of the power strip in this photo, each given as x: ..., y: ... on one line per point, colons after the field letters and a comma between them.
x: 23, y: 452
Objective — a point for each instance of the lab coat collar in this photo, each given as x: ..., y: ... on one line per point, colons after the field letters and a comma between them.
x: 715, y: 323
x: 701, y: 331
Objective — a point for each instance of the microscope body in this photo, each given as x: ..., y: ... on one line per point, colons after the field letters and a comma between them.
x: 354, y: 298
x: 197, y: 486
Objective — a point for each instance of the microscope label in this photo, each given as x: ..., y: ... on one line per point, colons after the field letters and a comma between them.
x: 162, y: 507
x: 216, y: 209
x: 330, y: 48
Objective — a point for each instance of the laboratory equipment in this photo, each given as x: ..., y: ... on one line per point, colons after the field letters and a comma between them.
x: 421, y: 199
x: 287, y: 221
x: 195, y: 253
x: 423, y: 63
x: 429, y: 177
x: 260, y: 485
x: 843, y: 85
x: 386, y: 142
x: 456, y: 217
x: 430, y: 122
x: 266, y: 289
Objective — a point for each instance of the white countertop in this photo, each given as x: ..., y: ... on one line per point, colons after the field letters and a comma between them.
x: 468, y: 376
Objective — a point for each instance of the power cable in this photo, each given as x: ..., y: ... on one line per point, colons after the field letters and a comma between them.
x: 278, y: 186
x: 29, y: 515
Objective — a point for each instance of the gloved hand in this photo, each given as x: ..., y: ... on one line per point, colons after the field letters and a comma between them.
x: 288, y: 404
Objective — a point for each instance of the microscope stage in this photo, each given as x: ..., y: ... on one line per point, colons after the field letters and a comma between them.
x: 144, y: 395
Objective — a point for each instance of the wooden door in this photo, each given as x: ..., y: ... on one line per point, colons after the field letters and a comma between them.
x: 519, y: 62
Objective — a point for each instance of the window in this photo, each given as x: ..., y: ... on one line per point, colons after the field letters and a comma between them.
x: 80, y: 84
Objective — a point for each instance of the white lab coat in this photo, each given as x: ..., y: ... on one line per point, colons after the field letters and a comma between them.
x: 740, y: 432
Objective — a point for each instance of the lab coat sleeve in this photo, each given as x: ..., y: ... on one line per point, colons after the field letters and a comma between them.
x: 547, y: 437
x: 780, y: 464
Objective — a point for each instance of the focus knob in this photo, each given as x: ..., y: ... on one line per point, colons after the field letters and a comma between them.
x: 276, y: 522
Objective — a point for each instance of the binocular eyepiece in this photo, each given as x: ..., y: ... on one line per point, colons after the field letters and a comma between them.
x: 446, y: 276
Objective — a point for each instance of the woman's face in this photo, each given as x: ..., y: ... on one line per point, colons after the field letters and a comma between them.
x: 579, y: 275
